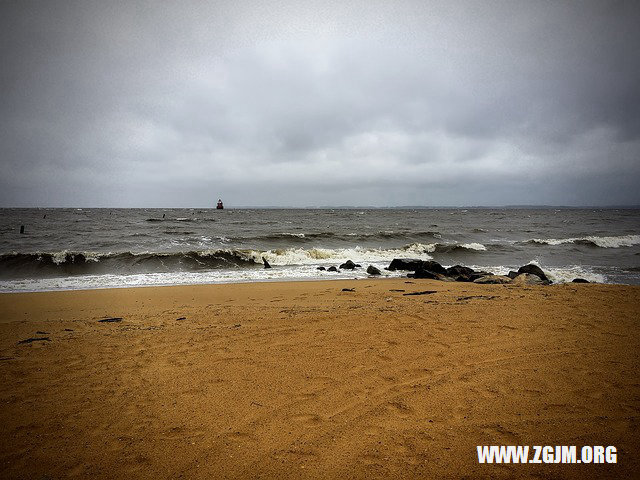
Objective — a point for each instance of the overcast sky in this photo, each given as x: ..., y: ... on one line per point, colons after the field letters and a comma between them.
x: 289, y: 103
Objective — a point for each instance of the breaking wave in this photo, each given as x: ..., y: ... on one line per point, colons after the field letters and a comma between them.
x: 302, y: 256
x: 64, y: 263
x: 592, y: 241
x: 456, y: 247
x: 43, y: 264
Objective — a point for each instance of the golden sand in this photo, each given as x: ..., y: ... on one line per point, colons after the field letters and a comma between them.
x: 304, y: 380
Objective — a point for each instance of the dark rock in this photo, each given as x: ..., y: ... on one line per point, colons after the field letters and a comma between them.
x: 433, y: 266
x: 430, y: 270
x: 68, y: 330
x: 348, y: 289
x: 266, y: 264
x: 332, y: 269
x: 476, y: 275
x: 421, y: 273
x: 39, y: 332
x: 459, y: 271
x: 512, y: 274
x: 465, y: 278
x: 321, y: 268
x: 349, y: 265
x: 31, y: 340
x: 181, y: 318
x: 426, y: 292
x: 470, y: 297
x: 411, y: 264
x: 371, y: 270
x: 579, y: 280
x: 111, y: 320
x: 533, y: 269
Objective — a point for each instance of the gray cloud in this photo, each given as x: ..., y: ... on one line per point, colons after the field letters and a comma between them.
x: 276, y: 103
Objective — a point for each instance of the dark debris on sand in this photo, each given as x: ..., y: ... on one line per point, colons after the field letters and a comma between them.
x: 111, y: 320
x: 34, y: 339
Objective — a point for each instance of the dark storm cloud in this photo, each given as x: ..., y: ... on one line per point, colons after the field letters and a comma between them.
x: 276, y: 103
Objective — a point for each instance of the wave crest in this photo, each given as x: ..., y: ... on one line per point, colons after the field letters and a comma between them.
x: 46, y: 264
x: 592, y: 241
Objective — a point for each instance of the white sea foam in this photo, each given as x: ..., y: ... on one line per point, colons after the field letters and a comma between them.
x: 474, y: 246
x: 277, y: 273
x: 60, y: 257
x: 316, y: 256
x: 444, y: 247
x: 604, y: 242
x: 286, y: 273
x: 563, y: 274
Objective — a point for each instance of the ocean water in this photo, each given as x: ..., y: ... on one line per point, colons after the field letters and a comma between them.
x: 99, y: 248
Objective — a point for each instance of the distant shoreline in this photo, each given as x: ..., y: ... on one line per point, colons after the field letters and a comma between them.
x: 348, y: 207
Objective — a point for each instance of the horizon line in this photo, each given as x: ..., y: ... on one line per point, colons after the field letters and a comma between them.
x: 328, y: 207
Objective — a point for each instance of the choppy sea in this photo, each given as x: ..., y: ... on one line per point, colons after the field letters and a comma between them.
x: 100, y: 248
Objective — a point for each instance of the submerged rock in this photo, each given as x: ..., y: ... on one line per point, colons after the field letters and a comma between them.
x: 332, y: 269
x: 320, y: 268
x: 579, y: 280
x: 371, y: 270
x: 266, y: 264
x: 349, y: 265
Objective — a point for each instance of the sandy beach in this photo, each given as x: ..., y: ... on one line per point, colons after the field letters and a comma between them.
x: 305, y: 380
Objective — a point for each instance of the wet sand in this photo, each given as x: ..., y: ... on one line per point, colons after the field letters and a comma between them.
x: 304, y: 380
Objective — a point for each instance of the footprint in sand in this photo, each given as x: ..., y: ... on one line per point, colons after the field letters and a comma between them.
x: 304, y: 396
x: 399, y: 408
x: 240, y: 437
x: 181, y: 432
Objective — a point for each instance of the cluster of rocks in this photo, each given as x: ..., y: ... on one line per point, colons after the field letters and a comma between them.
x: 349, y: 265
x: 526, y: 275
